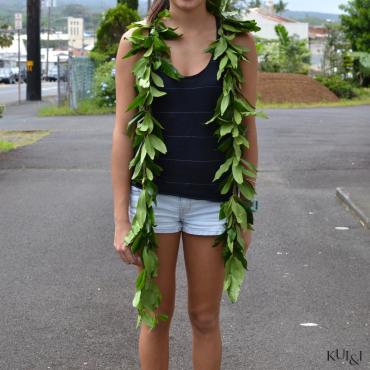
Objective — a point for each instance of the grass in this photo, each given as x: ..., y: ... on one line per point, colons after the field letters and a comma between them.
x: 12, y: 139
x: 85, y: 107
x: 89, y: 106
x: 6, y: 146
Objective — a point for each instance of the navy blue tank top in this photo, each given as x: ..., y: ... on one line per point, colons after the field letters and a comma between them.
x: 192, y: 157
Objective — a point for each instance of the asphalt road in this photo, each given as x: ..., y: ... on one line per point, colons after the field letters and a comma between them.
x: 66, y: 296
x: 9, y: 93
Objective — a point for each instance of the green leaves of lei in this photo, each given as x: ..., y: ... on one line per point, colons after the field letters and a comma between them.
x: 148, y: 144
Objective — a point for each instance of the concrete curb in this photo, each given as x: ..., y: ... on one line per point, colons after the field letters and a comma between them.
x: 345, y: 197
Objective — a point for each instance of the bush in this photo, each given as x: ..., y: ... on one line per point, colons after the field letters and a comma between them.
x: 340, y: 87
x: 110, y: 31
x: 104, y: 88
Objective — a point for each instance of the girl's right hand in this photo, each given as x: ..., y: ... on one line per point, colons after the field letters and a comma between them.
x: 123, y: 250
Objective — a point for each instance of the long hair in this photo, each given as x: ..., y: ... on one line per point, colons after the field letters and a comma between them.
x: 213, y: 6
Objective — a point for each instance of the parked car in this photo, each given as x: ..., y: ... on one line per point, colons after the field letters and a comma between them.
x: 7, y: 75
x: 23, y: 75
x: 52, y: 74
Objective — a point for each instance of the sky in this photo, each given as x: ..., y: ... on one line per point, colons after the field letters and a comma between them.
x: 324, y: 6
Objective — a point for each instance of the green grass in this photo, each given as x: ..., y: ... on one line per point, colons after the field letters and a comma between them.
x: 6, y: 146
x: 13, y: 139
x: 85, y: 107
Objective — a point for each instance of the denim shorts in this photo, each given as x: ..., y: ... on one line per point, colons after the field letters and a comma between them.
x: 174, y: 213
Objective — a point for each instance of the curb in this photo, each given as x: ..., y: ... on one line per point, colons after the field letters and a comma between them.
x: 344, y: 196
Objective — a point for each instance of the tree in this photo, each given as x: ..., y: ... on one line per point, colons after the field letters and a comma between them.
x: 6, y: 36
x: 293, y: 52
x: 336, y: 52
x: 356, y: 24
x: 133, y: 4
x: 280, y: 6
x: 255, y: 4
x: 287, y: 54
x: 110, y: 31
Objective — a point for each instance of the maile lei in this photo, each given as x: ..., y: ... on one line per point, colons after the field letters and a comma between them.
x: 148, y: 144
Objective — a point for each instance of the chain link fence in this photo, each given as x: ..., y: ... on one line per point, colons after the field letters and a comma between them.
x: 75, y: 79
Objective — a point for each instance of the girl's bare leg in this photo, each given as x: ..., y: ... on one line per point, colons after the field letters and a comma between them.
x: 154, y: 345
x: 205, y: 275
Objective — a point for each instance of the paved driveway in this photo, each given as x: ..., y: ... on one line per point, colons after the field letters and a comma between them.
x: 66, y: 296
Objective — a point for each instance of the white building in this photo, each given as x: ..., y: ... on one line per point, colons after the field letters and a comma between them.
x: 318, y: 37
x: 76, y: 33
x: 267, y: 19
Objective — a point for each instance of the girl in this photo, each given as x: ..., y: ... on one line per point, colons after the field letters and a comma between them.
x: 188, y: 202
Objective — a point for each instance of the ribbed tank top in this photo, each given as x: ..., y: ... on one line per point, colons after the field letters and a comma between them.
x: 192, y: 157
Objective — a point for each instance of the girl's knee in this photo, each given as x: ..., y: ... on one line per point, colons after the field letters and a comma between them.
x: 204, y: 322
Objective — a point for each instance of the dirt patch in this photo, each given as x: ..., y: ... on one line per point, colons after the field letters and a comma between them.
x: 12, y: 139
x: 292, y: 88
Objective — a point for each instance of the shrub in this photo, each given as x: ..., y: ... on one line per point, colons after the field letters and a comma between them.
x: 110, y: 31
x: 104, y: 88
x: 340, y: 87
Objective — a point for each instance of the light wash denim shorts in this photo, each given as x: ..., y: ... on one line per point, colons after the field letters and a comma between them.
x: 174, y: 213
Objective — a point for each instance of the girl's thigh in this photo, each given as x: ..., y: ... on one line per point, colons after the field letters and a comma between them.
x: 205, y: 274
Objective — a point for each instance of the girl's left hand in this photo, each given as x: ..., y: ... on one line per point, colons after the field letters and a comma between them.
x: 247, y: 236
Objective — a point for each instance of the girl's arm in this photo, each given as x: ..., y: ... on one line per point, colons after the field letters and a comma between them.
x: 122, y: 151
x: 249, y: 90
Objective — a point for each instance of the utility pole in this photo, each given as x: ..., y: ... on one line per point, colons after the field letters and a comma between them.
x: 49, y: 5
x: 18, y: 27
x: 33, y: 50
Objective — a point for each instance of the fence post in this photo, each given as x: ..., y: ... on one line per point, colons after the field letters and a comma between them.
x: 59, y: 93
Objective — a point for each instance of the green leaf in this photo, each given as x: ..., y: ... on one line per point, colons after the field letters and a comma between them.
x: 224, y: 103
x: 136, y: 299
x: 147, y: 123
x: 156, y: 93
x: 226, y: 187
x: 237, y: 116
x: 140, y: 280
x: 238, y: 173
x: 158, y: 143
x: 249, y: 173
x: 138, y: 100
x: 150, y: 260
x: 239, y: 213
x: 148, y: 52
x: 236, y: 277
x: 247, y: 190
x: 226, y: 128
x: 222, y: 169
x: 141, y: 210
x: 157, y: 79
x: 221, y: 47
x: 149, y: 174
x: 149, y: 147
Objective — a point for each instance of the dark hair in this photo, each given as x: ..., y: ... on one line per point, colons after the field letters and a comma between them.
x: 157, y: 6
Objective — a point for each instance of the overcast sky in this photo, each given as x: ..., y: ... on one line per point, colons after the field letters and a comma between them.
x: 325, y: 6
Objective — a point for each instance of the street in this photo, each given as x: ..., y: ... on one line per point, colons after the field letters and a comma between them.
x: 9, y: 93
x: 66, y: 297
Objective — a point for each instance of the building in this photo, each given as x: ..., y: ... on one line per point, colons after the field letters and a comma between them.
x: 267, y: 19
x: 318, y: 36
x: 76, y: 33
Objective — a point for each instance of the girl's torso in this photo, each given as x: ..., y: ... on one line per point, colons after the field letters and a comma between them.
x: 192, y: 157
